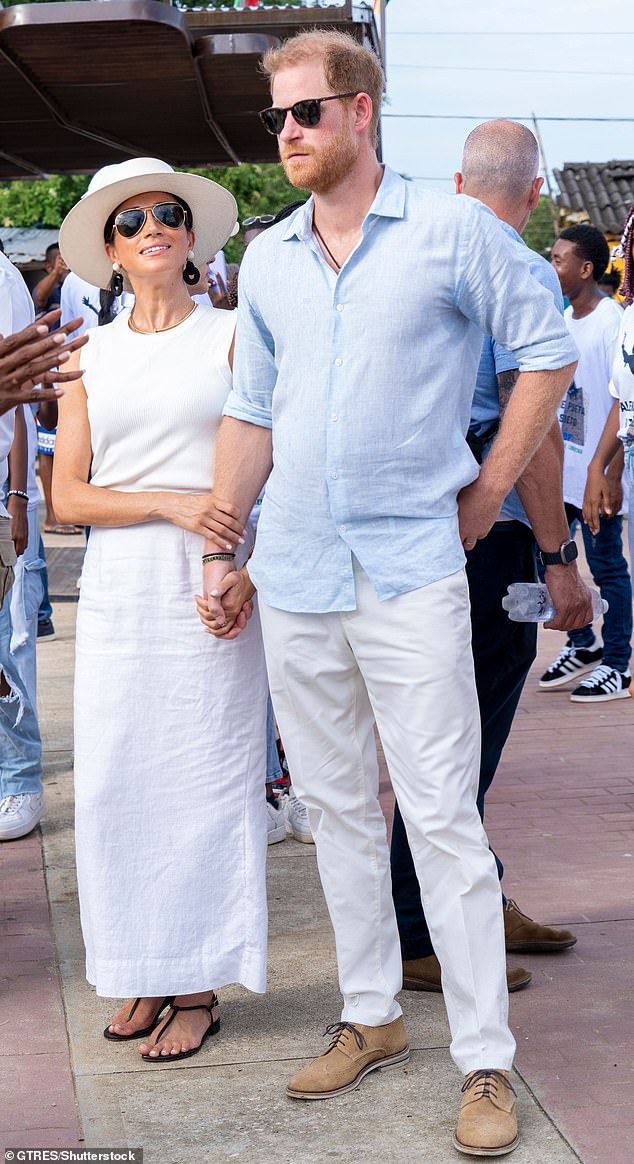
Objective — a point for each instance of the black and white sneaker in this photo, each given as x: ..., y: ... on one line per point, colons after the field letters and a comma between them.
x: 604, y: 683
x: 570, y: 663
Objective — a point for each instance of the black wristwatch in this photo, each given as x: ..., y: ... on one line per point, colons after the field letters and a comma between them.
x: 566, y: 554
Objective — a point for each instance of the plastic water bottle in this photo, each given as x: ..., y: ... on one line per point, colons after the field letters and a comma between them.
x: 531, y: 602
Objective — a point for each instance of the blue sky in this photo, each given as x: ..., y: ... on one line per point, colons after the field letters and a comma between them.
x: 477, y: 71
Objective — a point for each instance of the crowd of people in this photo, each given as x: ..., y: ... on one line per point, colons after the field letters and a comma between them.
x: 403, y: 467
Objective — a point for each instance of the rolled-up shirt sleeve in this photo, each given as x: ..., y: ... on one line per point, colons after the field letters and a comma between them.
x: 496, y: 290
x: 254, y: 368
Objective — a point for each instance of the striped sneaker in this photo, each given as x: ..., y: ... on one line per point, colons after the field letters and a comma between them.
x: 604, y: 683
x: 570, y: 663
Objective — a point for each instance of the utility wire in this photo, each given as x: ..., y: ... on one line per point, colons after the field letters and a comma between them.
x: 482, y: 117
x: 509, y: 69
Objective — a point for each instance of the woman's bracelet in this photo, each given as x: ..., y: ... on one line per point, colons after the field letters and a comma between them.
x: 18, y: 493
x: 217, y: 558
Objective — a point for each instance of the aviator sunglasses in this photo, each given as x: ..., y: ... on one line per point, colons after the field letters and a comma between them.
x: 128, y: 223
x: 305, y: 113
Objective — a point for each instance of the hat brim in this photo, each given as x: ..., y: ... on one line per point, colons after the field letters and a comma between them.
x: 81, y: 241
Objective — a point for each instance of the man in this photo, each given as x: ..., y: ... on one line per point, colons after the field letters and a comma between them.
x: 47, y: 293
x: 500, y: 168
x: 359, y: 562
x: 580, y: 257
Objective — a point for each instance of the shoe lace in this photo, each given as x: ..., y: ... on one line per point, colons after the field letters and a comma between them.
x: 598, y: 676
x: 339, y: 1031
x: 564, y: 654
x: 10, y: 803
x: 487, y: 1083
x: 300, y: 810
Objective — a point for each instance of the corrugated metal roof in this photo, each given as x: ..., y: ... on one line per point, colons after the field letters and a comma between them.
x: 26, y: 244
x: 604, y: 190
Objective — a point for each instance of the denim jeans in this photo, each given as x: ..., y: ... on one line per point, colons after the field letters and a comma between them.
x: 503, y: 652
x: 629, y: 465
x: 25, y: 599
x: 20, y: 744
x: 46, y: 610
x: 604, y: 554
x: 273, y: 767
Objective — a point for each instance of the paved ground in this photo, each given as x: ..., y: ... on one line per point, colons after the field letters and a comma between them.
x: 562, y: 817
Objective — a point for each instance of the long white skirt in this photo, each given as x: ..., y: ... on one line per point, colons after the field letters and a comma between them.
x: 170, y: 761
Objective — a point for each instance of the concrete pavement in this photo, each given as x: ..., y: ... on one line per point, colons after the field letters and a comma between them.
x: 562, y: 817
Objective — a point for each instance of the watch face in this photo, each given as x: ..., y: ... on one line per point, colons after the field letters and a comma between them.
x: 569, y: 551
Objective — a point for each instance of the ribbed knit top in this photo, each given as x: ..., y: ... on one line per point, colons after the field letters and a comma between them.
x: 155, y: 401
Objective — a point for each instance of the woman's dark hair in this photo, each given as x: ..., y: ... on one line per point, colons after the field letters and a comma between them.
x: 591, y: 245
x: 108, y: 229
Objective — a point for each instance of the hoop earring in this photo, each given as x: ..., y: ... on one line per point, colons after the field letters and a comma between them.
x: 116, y: 282
x: 191, y: 274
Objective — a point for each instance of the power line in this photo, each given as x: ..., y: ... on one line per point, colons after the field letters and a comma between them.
x: 482, y: 117
x: 509, y: 69
x: 568, y: 32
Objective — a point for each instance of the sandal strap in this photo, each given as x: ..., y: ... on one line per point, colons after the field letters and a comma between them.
x: 133, y: 1008
x: 175, y: 1009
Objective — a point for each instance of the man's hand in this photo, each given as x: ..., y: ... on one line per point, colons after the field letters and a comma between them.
x: 478, y: 508
x: 32, y: 357
x: 202, y: 513
x: 19, y: 526
x: 571, y: 598
x: 225, y: 605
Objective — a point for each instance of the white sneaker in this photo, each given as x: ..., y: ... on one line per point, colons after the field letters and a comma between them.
x: 20, y: 814
x: 297, y: 818
x: 275, y: 824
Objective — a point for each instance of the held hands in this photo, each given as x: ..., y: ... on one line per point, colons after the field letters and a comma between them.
x: 225, y: 606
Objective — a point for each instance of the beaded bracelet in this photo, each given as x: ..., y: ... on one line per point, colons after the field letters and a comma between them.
x: 217, y: 558
x: 18, y: 493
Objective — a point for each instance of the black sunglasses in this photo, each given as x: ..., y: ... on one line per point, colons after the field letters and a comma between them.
x: 128, y: 223
x: 305, y: 113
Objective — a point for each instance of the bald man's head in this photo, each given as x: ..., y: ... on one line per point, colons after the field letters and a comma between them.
x: 500, y: 161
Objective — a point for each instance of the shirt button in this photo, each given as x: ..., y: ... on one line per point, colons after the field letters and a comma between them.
x: 342, y: 528
x: 340, y: 307
x: 334, y: 416
x: 334, y: 476
x: 338, y: 362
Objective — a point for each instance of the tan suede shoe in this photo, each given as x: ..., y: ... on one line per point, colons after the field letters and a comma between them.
x: 487, y: 1122
x: 355, y: 1050
x: 424, y: 974
x: 523, y: 935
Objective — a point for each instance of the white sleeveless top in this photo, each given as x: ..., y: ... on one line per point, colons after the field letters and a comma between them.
x: 155, y: 401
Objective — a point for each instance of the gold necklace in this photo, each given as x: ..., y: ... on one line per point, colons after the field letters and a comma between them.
x: 141, y: 331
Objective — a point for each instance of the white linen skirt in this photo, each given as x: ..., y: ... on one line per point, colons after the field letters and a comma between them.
x: 170, y: 746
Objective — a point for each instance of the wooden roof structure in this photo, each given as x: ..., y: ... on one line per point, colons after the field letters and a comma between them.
x: 93, y: 82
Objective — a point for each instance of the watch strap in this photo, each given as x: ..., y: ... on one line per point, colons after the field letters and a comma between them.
x: 566, y: 554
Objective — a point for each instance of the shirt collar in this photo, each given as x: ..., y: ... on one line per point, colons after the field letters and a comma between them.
x: 389, y: 202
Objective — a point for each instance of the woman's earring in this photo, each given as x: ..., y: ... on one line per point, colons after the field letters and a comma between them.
x: 116, y: 282
x: 191, y: 274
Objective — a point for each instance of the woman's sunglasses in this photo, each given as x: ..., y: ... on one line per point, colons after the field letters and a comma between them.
x: 305, y: 113
x: 128, y: 223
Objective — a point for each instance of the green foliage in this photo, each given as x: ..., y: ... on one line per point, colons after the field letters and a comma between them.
x: 540, y: 233
x: 257, y: 190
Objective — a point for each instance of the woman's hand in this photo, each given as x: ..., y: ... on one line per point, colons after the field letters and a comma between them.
x: 225, y: 606
x: 202, y: 513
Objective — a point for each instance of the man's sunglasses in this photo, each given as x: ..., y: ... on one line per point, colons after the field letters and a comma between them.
x: 305, y: 113
x: 128, y: 223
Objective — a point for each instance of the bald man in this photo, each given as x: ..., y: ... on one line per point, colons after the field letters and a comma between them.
x: 500, y: 168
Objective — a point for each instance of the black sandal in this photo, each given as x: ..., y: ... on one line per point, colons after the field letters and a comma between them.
x: 212, y: 1029
x: 108, y: 1034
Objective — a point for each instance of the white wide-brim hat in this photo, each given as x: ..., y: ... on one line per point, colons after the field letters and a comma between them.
x: 81, y: 239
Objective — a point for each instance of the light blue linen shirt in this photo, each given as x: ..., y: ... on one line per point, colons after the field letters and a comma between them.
x: 367, y: 379
x: 495, y: 358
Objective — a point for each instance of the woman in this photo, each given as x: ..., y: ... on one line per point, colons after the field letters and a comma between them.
x: 169, y: 722
x: 619, y: 427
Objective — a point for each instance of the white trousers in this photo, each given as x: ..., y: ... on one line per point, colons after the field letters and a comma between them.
x: 405, y: 663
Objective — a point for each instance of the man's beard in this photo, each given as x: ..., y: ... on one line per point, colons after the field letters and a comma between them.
x: 321, y: 170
